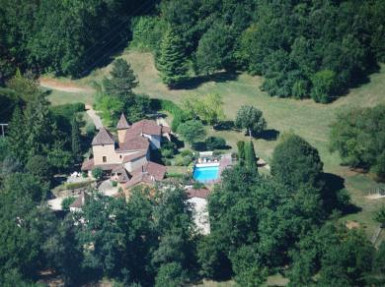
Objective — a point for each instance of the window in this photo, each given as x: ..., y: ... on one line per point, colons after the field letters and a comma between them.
x: 120, y: 156
x: 104, y: 159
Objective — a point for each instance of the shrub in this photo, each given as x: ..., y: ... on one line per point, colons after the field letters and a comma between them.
x: 114, y: 183
x: 215, y: 143
x: 168, y: 149
x: 97, y: 173
x: 76, y: 185
x: 187, y: 152
x: 181, y: 160
x: 198, y: 185
x: 66, y: 203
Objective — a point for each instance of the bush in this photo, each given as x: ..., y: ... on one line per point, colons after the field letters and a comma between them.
x: 215, y: 143
x: 187, y: 152
x: 175, y: 175
x: 168, y: 149
x: 181, y: 160
x: 97, y: 173
x: 114, y: 183
x: 76, y: 185
x: 66, y: 203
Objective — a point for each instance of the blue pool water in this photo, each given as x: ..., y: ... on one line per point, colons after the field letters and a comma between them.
x: 207, y: 173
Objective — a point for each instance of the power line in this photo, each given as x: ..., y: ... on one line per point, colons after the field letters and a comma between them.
x: 2, y: 128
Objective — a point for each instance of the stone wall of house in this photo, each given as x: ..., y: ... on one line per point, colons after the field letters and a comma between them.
x: 135, y: 164
x: 154, y: 141
x: 121, y: 135
x: 107, y: 151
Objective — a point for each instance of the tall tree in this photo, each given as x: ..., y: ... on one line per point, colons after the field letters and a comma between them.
x: 250, y: 156
x: 295, y: 162
x: 16, y: 135
x: 241, y: 152
x: 192, y: 131
x: 171, y: 61
x: 358, y: 135
x: 214, y: 51
x: 75, y: 140
x: 251, y: 119
x: 122, y: 80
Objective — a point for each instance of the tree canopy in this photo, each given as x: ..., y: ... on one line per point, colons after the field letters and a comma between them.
x: 358, y: 136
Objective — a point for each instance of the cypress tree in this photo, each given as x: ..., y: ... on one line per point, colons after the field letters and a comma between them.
x: 122, y: 80
x: 16, y: 135
x: 75, y: 137
x: 251, y: 161
x: 172, y: 60
x: 241, y: 152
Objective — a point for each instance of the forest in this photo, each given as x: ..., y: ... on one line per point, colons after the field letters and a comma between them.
x: 281, y: 40
x: 286, y: 222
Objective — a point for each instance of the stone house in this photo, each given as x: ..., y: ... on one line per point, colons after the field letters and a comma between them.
x: 128, y: 159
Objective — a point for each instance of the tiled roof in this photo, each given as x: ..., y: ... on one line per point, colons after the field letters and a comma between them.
x: 108, y: 167
x: 133, y: 156
x: 156, y: 170
x: 146, y: 127
x: 134, y: 142
x: 104, y: 137
x: 201, y: 193
x: 138, y: 178
x: 166, y: 130
x: 122, y: 175
x: 147, y: 174
x: 88, y: 165
x: 122, y: 124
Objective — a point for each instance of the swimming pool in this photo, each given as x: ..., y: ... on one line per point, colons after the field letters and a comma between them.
x: 206, y: 173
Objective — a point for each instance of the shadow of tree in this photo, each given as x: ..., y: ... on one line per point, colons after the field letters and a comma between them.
x: 269, y: 135
x: 335, y: 196
x: 199, y: 146
x: 195, y: 82
x: 224, y: 126
x: 179, y: 143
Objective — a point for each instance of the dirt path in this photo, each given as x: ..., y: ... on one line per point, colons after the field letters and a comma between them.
x: 95, y: 118
x: 64, y: 87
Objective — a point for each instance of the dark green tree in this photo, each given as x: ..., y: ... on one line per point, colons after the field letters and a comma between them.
x: 295, y: 162
x: 170, y: 274
x: 250, y: 156
x: 122, y: 80
x: 16, y: 135
x: 241, y: 152
x: 358, y: 136
x: 24, y: 230
x: 214, y: 51
x: 39, y: 166
x: 171, y: 61
x: 251, y: 119
x: 75, y: 140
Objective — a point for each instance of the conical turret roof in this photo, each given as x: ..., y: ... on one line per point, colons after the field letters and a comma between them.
x: 122, y: 124
x: 104, y: 137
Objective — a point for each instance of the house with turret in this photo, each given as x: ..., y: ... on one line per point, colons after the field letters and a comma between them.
x: 127, y: 158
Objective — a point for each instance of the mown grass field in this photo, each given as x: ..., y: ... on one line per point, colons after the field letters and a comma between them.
x: 305, y: 118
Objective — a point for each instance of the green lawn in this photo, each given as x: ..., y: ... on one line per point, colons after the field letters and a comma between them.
x: 60, y: 97
x: 305, y: 118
